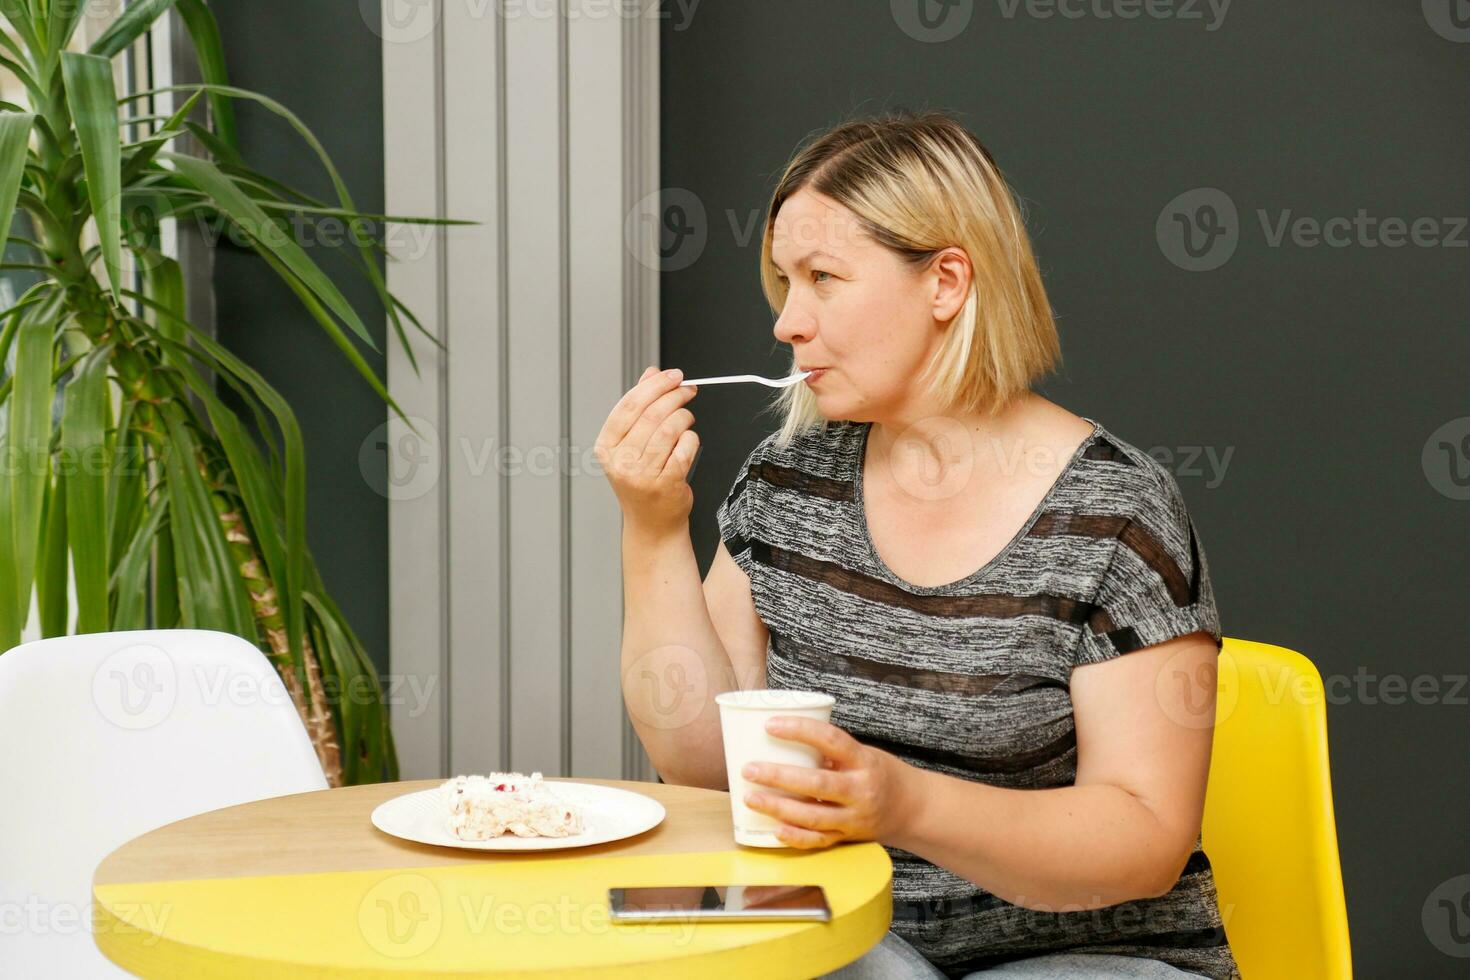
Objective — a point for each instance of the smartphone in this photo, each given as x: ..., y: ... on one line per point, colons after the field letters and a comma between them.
x: 744, y: 903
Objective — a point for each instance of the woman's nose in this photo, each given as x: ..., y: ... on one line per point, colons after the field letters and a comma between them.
x: 790, y: 329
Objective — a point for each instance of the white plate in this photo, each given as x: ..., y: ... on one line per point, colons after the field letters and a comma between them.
x: 608, y: 814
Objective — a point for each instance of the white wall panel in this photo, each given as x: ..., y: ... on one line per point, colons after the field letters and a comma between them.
x: 539, y: 122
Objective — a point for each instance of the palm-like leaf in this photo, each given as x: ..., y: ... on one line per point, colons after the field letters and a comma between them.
x: 15, y: 131
x: 168, y: 507
x: 92, y: 99
x: 28, y: 442
x: 85, y: 465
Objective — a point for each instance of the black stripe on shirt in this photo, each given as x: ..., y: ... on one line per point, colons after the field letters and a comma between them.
x: 908, y: 675
x: 994, y: 605
x: 977, y: 766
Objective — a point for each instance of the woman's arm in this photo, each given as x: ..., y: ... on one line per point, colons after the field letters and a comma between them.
x: 672, y: 663
x: 1124, y: 831
x: 682, y: 646
x: 683, y: 642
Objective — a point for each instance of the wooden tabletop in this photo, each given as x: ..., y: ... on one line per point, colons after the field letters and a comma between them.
x: 306, y: 885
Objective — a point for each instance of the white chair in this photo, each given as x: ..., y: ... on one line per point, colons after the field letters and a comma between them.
x: 105, y: 736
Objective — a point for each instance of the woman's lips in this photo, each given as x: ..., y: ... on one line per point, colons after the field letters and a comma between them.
x: 815, y: 375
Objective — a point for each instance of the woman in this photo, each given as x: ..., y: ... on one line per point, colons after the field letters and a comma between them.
x: 962, y: 563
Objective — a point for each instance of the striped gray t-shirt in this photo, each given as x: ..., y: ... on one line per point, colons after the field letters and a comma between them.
x: 972, y: 678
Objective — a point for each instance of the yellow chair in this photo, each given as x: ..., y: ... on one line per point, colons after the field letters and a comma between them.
x: 1268, y: 825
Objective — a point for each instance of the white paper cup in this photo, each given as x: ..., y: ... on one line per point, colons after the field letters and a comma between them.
x: 743, y: 716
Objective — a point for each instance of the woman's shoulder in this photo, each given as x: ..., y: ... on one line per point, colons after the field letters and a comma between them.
x: 818, y: 450
x: 1129, y: 480
x: 815, y: 464
x: 1108, y: 447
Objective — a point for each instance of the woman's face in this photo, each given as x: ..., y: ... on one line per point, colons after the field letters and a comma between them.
x: 857, y: 311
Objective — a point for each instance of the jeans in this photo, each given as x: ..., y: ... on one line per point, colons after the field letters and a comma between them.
x: 894, y: 959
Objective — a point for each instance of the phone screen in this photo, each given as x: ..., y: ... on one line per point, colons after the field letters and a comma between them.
x: 743, y: 902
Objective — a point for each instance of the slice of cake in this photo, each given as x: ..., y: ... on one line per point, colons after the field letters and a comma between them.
x: 484, y: 807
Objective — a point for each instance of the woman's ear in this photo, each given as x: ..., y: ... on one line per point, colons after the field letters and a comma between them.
x: 952, y: 276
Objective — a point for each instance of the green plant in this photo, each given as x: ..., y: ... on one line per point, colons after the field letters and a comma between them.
x: 173, y: 508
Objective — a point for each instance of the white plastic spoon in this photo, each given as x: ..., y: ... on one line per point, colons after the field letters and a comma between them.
x: 735, y: 378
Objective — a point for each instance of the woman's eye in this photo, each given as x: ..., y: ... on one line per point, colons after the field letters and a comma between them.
x: 815, y: 272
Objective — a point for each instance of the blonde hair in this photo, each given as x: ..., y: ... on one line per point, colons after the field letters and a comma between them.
x: 919, y: 183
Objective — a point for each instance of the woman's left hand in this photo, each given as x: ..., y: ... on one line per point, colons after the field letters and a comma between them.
x: 861, y: 793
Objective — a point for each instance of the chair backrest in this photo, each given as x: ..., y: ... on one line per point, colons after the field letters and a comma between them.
x: 108, y: 735
x: 1268, y: 825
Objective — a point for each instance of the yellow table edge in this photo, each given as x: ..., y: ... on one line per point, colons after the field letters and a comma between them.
x: 213, y: 951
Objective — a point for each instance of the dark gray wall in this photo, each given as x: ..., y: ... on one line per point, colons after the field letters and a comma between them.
x: 1322, y: 371
x: 320, y: 60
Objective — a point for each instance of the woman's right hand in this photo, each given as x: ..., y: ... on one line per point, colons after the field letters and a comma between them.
x: 646, y: 447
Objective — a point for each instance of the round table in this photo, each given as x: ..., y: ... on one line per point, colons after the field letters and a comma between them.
x: 305, y: 885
